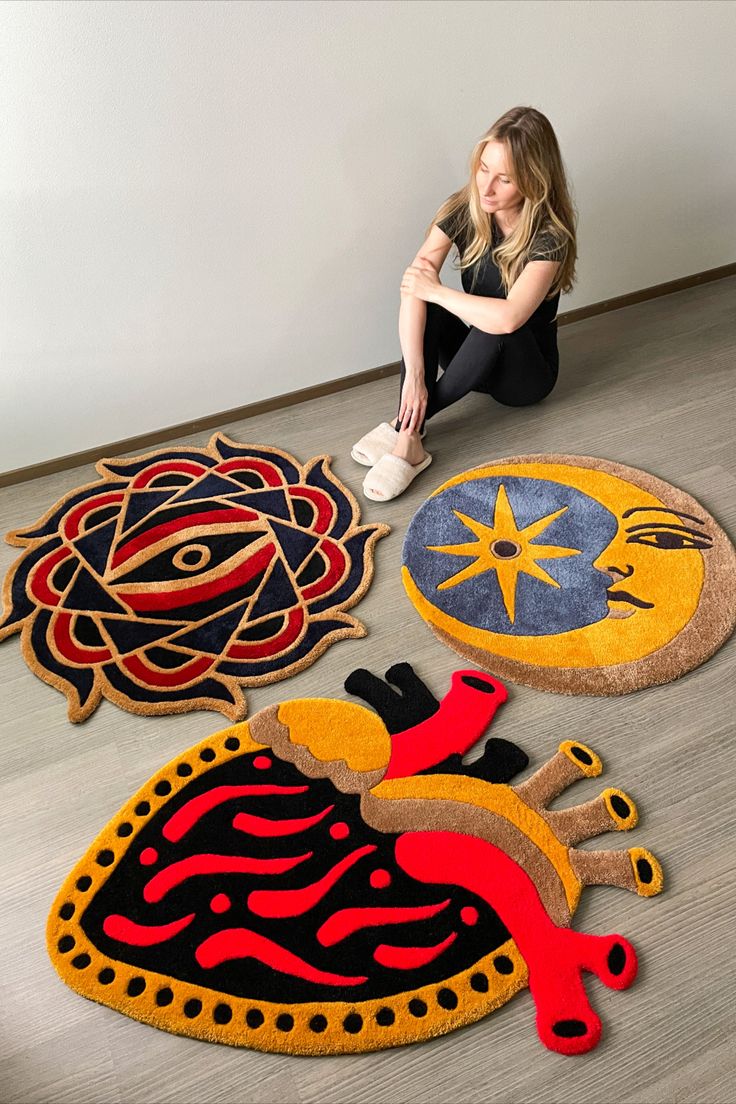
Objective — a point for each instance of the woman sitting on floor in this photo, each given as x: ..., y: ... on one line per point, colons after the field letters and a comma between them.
x: 514, y: 225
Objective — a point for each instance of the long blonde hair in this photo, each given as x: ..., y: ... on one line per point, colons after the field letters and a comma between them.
x: 537, y: 170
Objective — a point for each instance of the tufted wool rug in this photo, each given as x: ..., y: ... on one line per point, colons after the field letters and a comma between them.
x: 324, y: 878
x: 185, y: 574
x: 571, y: 574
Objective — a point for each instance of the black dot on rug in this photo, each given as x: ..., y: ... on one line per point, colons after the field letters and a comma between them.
x: 503, y: 965
x: 478, y: 684
x: 207, y: 755
x: 162, y: 788
x: 66, y: 943
x: 84, y: 883
x: 447, y: 998
x: 353, y: 1023
x: 254, y: 1017
x: 142, y: 808
x: 105, y: 858
x: 620, y: 806
x: 232, y: 743
x: 106, y: 976
x: 223, y: 1013
x: 644, y: 870
x: 505, y: 549
x: 183, y: 770
x: 164, y: 997
x: 136, y: 986
x: 284, y: 1022
x: 417, y: 1007
x: 479, y: 982
x: 66, y: 911
x: 385, y: 1017
x: 192, y: 1008
x: 318, y: 1024
x: 81, y: 962
x: 125, y: 829
x: 569, y: 1029
x: 616, y: 959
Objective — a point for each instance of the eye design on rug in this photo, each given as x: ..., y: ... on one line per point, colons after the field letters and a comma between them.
x: 192, y: 557
x: 324, y: 878
x: 584, y: 577
x: 185, y: 574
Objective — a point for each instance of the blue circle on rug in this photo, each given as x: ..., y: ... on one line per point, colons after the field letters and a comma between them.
x: 512, y: 554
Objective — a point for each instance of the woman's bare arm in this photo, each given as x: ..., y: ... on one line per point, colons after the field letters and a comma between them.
x: 413, y: 311
x: 412, y: 320
x: 501, y: 316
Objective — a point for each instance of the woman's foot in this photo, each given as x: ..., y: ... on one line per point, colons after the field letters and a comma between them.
x: 409, y: 447
x: 395, y: 471
x: 375, y: 444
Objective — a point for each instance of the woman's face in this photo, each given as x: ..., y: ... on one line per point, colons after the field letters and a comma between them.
x: 496, y: 186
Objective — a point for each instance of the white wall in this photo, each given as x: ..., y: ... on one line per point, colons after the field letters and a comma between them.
x: 205, y: 204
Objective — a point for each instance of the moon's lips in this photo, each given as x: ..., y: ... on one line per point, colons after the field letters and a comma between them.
x: 624, y: 596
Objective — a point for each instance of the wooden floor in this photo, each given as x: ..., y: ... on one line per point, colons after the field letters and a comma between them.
x: 652, y: 386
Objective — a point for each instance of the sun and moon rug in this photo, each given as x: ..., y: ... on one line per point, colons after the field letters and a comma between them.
x: 328, y: 878
x: 571, y: 574
x: 183, y: 575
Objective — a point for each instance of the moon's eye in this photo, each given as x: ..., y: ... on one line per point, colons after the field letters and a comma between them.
x: 670, y: 538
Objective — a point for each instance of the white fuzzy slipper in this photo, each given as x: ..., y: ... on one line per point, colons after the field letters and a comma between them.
x: 391, y: 476
x: 370, y: 448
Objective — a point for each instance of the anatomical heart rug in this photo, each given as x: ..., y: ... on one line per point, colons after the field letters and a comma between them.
x: 571, y: 574
x: 185, y: 574
x: 324, y: 878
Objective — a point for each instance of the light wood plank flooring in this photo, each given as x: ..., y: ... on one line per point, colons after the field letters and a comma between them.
x: 651, y: 385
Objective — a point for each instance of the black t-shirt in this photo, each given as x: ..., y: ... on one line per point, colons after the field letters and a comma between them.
x: 488, y: 278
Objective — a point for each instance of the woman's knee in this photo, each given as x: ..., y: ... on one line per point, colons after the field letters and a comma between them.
x: 525, y: 395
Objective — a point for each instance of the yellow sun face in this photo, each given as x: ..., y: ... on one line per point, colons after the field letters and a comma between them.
x: 652, y: 569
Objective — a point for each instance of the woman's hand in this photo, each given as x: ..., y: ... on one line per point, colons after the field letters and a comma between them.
x: 414, y: 397
x: 421, y: 280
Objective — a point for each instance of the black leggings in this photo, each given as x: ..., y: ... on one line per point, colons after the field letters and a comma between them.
x: 512, y: 368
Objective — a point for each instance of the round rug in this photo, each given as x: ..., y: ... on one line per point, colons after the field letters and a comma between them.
x: 184, y: 574
x: 571, y: 574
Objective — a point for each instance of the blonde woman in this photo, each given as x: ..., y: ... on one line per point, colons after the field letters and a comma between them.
x: 514, y: 226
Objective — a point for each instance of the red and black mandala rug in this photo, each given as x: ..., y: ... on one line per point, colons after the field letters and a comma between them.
x: 324, y: 878
x: 186, y: 574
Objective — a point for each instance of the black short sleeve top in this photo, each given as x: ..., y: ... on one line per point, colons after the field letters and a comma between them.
x: 487, y: 275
